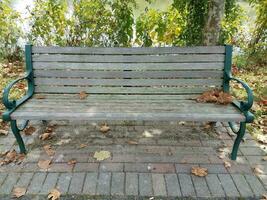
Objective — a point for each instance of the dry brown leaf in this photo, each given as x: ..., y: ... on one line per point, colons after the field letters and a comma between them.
x: 215, y: 96
x: 264, y: 158
x: 19, y: 192
x: 83, y: 95
x: 257, y: 170
x: 82, y: 146
x: 45, y: 136
x: 221, y: 156
x: 54, y: 194
x: 44, y: 164
x: 224, y: 98
x: 104, y: 128
x: 199, y: 171
x: 264, y: 197
x: 3, y: 132
x: 39, y: 96
x: 72, y: 162
x: 102, y: 155
x: 227, y: 164
x: 48, y: 149
x: 132, y: 142
x: 29, y: 130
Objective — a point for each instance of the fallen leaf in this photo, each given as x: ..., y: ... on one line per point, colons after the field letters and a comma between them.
x: 72, y: 162
x: 39, y: 96
x: 264, y: 197
x: 54, y: 194
x: 3, y: 132
x: 102, y: 155
x: 257, y: 170
x: 227, y: 164
x: 48, y: 149
x: 199, y: 171
x: 104, y: 128
x: 82, y: 146
x: 264, y: 158
x: 132, y: 142
x: 45, y: 136
x: 19, y: 192
x: 29, y: 130
x: 215, y: 96
x: 44, y: 164
x: 83, y: 95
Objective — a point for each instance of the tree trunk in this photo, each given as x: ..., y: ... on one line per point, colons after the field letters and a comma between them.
x: 213, y: 22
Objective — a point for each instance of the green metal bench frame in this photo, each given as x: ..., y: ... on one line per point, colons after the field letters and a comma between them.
x: 243, y: 106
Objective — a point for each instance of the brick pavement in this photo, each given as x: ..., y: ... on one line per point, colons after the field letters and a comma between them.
x: 157, y: 167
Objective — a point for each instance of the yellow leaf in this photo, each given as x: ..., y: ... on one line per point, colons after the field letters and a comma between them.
x: 105, y: 128
x: 199, y: 171
x: 102, y: 155
x: 54, y: 194
x: 44, y: 164
x: 19, y: 192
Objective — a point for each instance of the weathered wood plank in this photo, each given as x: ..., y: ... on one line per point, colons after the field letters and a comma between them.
x: 127, y: 82
x: 129, y: 51
x: 121, y: 90
x: 130, y: 66
x: 128, y: 116
x: 129, y: 59
x: 127, y: 74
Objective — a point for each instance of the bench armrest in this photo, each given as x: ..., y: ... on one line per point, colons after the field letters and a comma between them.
x: 11, y: 105
x: 244, y: 106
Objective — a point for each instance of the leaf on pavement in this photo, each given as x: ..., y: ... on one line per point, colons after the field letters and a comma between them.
x: 48, y: 149
x: 82, y: 146
x: 102, y: 155
x: 104, y: 128
x: 264, y: 158
x: 44, y: 164
x: 29, y: 130
x: 72, y: 162
x: 3, y: 132
x: 54, y: 194
x: 199, y: 171
x: 132, y: 142
x: 45, y: 136
x: 19, y: 192
x: 257, y: 170
x: 83, y: 95
x: 227, y: 164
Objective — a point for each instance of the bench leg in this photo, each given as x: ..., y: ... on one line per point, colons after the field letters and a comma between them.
x: 240, y: 134
x: 16, y: 132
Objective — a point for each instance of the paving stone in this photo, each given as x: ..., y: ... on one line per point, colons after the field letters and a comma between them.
x: 252, y: 151
x: 49, y: 183
x: 172, y: 184
x: 159, y: 186
x: 117, y: 183
x: 9, y: 183
x: 131, y: 184
x: 255, y: 185
x: 76, y: 184
x: 263, y: 179
x: 228, y: 185
x: 215, y: 168
x: 187, y: 186
x: 86, y: 167
x: 201, y: 187
x: 136, y: 167
x: 145, y: 184
x: 111, y: 167
x: 90, y: 183
x: 162, y: 168
x: 214, y: 185
x: 103, y: 183
x: 195, y: 159
x: 36, y: 183
x: 64, y: 182
x: 2, y: 177
x: 60, y: 167
x: 24, y: 180
x: 184, y: 168
x: 242, y: 185
x: 253, y: 160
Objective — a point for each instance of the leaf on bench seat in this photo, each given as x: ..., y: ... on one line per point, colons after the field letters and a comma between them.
x: 83, y: 95
x: 215, y: 96
x: 38, y: 96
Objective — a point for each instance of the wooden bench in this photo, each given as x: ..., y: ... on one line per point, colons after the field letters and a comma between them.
x: 126, y: 84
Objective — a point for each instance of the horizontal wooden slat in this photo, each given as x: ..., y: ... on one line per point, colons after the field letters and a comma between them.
x: 128, y: 116
x: 130, y: 66
x: 127, y: 82
x: 127, y: 74
x: 129, y: 59
x: 121, y: 90
x: 129, y: 51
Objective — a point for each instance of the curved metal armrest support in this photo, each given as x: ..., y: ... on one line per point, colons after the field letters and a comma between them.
x: 245, y: 105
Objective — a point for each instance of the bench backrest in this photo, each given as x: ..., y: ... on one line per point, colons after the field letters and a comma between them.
x: 168, y: 70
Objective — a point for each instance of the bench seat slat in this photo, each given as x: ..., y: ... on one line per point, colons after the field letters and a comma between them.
x: 129, y: 51
x: 130, y: 66
x: 129, y: 59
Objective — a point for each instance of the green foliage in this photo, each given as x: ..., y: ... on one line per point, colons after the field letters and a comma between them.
x: 10, y: 32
